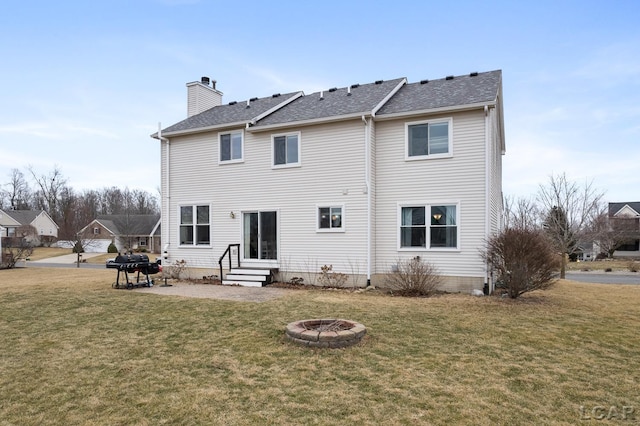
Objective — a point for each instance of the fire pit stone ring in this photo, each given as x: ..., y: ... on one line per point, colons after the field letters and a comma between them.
x: 325, y: 333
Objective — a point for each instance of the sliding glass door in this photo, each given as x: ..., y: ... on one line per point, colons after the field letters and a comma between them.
x: 260, y: 235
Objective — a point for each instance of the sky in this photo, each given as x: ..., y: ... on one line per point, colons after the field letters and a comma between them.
x: 83, y: 84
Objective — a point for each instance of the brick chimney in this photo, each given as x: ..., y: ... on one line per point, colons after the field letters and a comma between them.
x: 202, y: 95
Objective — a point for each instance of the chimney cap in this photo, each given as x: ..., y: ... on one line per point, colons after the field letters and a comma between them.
x: 205, y: 80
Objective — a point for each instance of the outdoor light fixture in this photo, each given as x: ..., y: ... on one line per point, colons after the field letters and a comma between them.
x: 232, y: 215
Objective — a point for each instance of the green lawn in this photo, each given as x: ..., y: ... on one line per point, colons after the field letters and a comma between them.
x: 75, y: 351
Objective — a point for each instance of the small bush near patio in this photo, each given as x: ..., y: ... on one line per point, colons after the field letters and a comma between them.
x: 523, y: 259
x: 413, y: 277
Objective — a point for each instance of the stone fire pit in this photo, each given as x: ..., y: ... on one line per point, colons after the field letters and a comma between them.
x: 325, y: 333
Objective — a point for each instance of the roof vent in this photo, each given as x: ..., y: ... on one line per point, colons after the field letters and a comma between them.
x: 253, y: 99
x: 333, y: 89
x: 424, y: 81
x: 379, y: 81
x: 348, y: 91
x: 449, y: 77
x: 233, y: 103
x: 353, y: 86
x: 321, y: 95
x: 474, y: 74
x: 275, y: 95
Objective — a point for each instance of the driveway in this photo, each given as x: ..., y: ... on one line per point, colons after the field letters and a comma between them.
x: 64, y: 261
x: 605, y: 277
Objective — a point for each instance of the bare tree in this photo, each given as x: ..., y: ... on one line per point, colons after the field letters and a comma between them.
x: 570, y: 210
x: 18, y: 192
x: 49, y: 191
x: 521, y: 213
x: 612, y: 232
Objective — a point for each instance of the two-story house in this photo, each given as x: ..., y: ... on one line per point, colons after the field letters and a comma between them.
x: 36, y: 226
x: 624, y: 218
x: 357, y: 177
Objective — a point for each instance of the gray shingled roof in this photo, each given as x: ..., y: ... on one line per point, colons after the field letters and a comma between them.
x: 228, y: 113
x: 24, y: 217
x: 135, y: 224
x: 460, y: 90
x: 615, y: 207
x: 334, y: 103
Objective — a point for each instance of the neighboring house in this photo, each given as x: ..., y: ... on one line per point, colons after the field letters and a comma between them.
x: 36, y: 227
x: 357, y: 177
x: 127, y: 232
x: 625, y: 217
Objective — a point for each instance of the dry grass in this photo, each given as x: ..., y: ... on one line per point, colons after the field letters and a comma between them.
x: 600, y: 265
x: 75, y: 351
x: 40, y: 253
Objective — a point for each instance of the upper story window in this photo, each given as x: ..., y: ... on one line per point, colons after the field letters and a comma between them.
x: 195, y: 225
x: 286, y: 150
x: 231, y: 146
x: 428, y: 139
x: 331, y: 218
x: 429, y: 226
x: 96, y: 231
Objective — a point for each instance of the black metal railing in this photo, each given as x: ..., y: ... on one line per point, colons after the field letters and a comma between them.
x: 228, y: 252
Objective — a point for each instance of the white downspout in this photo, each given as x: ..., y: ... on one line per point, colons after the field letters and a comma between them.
x: 168, y: 191
x: 367, y: 177
x: 487, y: 183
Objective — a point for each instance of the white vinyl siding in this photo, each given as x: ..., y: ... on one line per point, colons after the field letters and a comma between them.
x: 333, y: 171
x: 460, y: 178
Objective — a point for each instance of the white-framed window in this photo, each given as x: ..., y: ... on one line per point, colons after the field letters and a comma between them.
x: 330, y: 218
x: 231, y: 147
x: 428, y: 139
x: 285, y: 150
x: 195, y: 225
x: 428, y: 226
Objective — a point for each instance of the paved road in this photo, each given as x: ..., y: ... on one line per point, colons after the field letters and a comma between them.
x: 604, y: 277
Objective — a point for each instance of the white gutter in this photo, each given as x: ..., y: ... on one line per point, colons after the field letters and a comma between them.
x: 367, y: 178
x: 445, y: 109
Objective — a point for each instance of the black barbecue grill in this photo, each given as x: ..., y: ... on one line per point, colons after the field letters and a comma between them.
x: 131, y: 264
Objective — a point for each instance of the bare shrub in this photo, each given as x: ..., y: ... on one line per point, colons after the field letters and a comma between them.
x: 14, y: 249
x: 414, y: 277
x: 524, y: 260
x: 328, y: 278
x: 633, y: 266
x: 177, y: 268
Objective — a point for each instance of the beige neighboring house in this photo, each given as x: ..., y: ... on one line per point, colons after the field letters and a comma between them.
x: 359, y: 177
x: 127, y: 232
x: 625, y: 216
x: 35, y: 226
